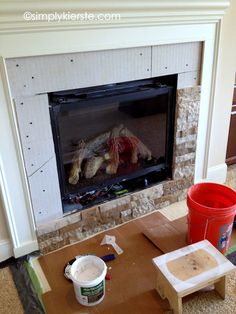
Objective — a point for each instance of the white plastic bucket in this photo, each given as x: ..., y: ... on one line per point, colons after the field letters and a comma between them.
x: 88, y: 276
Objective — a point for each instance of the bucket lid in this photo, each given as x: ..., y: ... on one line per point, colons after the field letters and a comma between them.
x: 67, y: 269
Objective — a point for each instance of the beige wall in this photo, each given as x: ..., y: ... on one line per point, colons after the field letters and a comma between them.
x: 224, y: 86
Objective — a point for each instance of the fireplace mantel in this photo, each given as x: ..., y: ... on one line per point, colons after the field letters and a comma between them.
x: 141, y: 24
x: 133, y: 13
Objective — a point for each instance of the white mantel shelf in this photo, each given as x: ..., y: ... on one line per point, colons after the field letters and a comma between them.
x: 132, y: 12
x: 142, y: 23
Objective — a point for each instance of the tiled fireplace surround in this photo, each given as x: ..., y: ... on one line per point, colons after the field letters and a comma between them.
x: 30, y: 80
x: 46, y: 51
x: 104, y: 216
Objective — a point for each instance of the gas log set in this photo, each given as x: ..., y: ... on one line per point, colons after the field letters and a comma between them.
x: 107, y: 152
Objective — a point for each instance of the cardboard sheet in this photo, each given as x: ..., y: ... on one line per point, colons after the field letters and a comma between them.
x: 169, y: 236
x: 133, y: 283
x: 132, y: 286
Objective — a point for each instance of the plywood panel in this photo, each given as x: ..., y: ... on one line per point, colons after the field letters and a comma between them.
x: 35, y: 131
x: 33, y: 75
x: 45, y: 193
x: 176, y: 58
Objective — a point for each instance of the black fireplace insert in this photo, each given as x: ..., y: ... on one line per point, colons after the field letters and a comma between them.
x: 112, y: 139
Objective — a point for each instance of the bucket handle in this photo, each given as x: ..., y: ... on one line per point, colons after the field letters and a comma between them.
x: 206, y: 227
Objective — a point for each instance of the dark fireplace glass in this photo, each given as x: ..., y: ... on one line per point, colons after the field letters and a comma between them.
x: 113, y: 139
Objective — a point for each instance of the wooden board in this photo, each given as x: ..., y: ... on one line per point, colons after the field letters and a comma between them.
x: 169, y: 236
x: 192, y: 267
x: 189, y: 269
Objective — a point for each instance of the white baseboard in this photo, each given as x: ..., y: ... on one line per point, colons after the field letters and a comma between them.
x: 6, y: 250
x: 217, y: 174
x: 26, y: 249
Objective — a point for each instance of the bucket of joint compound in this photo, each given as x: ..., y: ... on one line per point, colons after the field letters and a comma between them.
x: 88, y: 276
x: 212, y: 208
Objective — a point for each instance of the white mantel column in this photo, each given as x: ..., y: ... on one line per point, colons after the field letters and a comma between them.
x: 16, y: 205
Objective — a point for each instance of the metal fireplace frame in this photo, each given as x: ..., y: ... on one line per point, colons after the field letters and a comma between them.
x: 127, y: 91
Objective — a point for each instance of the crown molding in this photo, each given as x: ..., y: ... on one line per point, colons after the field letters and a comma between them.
x: 132, y: 13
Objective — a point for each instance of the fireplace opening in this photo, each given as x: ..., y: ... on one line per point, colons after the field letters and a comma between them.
x: 112, y: 139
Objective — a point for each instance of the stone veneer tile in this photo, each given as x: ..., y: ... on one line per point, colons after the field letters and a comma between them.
x: 184, y: 133
x: 58, y: 224
x: 111, y: 211
x: 114, y: 203
x: 52, y: 246
x: 185, y: 163
x: 91, y: 219
x: 183, y: 124
x: 126, y: 215
x: 75, y: 235
x: 78, y: 226
x: 185, y: 157
x: 185, y: 148
x: 70, y: 227
x: 165, y: 200
x: 189, y: 94
x: 184, y: 172
x: 182, y: 195
x: 174, y: 186
x: 187, y: 115
x: 188, y: 138
x: 150, y: 193
x: 188, y: 111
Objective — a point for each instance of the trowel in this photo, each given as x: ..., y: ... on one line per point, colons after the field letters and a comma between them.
x: 112, y: 241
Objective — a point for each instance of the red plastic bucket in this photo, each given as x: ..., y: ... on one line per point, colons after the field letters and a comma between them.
x: 212, y: 208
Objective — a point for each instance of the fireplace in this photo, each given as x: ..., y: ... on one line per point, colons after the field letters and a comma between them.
x: 112, y: 139
x: 106, y: 146
x: 39, y: 58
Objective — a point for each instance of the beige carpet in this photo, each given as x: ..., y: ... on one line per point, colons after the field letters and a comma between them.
x: 210, y: 302
x: 199, y: 303
x: 9, y: 299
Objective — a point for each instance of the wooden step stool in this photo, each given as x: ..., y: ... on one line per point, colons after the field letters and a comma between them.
x: 190, y: 269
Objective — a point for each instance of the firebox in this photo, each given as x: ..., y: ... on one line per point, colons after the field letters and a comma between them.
x: 112, y: 139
